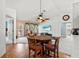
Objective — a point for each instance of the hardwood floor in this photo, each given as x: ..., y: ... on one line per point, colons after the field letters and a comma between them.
x: 22, y: 51
x: 16, y: 51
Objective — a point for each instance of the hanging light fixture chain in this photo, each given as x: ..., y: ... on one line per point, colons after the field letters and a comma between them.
x: 40, y: 6
x: 40, y: 16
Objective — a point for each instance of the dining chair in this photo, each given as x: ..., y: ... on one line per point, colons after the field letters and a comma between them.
x: 48, y: 34
x: 53, y: 48
x: 34, y: 48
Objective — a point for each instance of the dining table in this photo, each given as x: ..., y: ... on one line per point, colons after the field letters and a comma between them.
x: 43, y: 39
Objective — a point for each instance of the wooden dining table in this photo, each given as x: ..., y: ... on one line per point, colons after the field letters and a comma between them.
x: 41, y: 38
x: 44, y: 39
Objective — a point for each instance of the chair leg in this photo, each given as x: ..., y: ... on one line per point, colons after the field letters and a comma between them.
x: 57, y: 53
x: 48, y: 52
x: 35, y: 54
x: 41, y: 53
x: 29, y: 53
x: 54, y: 54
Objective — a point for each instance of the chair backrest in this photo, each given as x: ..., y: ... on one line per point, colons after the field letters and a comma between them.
x: 42, y: 33
x: 31, y: 41
x: 56, y: 44
x: 48, y: 34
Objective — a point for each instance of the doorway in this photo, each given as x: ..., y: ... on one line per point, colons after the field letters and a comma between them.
x: 9, y: 30
x: 66, y: 29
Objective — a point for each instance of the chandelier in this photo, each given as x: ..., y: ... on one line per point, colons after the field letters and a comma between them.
x: 41, y: 17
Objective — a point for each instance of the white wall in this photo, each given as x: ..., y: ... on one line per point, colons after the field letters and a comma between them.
x: 26, y: 9
x: 76, y: 15
x: 75, y: 52
x: 2, y: 28
x: 11, y: 12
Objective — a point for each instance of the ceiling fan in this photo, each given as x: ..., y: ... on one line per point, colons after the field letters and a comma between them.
x: 41, y: 17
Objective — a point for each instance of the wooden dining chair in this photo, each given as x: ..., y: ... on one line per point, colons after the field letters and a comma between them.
x: 53, y: 48
x: 48, y: 34
x: 34, y: 48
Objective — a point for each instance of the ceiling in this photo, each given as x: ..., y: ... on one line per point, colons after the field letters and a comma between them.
x: 29, y: 9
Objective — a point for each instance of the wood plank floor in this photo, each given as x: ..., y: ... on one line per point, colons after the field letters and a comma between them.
x: 16, y: 51
x: 22, y: 51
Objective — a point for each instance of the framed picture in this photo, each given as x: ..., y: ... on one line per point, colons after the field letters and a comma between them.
x: 66, y: 17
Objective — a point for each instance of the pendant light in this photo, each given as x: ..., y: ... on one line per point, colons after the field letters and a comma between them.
x: 40, y: 16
